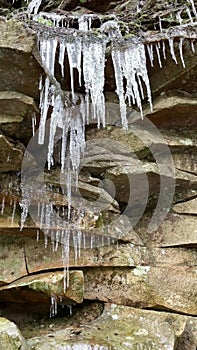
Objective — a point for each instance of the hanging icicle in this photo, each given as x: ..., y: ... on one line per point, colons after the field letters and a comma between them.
x: 62, y: 48
x: 157, y: 45
x: 181, y: 51
x: 33, y: 7
x: 93, y: 73
x: 74, y: 51
x: 130, y: 63
x: 171, y: 44
x: 150, y: 53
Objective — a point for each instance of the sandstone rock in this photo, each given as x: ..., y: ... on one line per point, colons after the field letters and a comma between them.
x: 12, y: 259
x: 16, y: 56
x: 11, y: 155
x: 11, y: 337
x: 121, y: 327
x: 144, y: 287
x: 16, y: 113
x: 43, y: 287
x: 62, y: 342
x: 20, y: 252
x: 188, y: 207
x: 170, y: 111
x: 136, y: 181
x: 185, y: 161
x: 176, y: 230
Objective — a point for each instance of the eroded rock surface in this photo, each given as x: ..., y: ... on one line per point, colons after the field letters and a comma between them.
x: 11, y: 337
x: 114, y: 256
x: 122, y: 327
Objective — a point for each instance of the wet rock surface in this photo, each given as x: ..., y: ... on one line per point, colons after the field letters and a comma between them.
x: 114, y: 257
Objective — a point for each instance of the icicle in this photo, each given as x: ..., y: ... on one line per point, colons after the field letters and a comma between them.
x: 70, y: 309
x: 24, y: 204
x: 77, y: 141
x: 69, y: 189
x: 61, y: 56
x: 42, y: 215
x: 158, y: 54
x: 44, y: 105
x: 53, y: 307
x: 53, y: 240
x: 131, y: 64
x: 74, y: 50
x: 93, y: 72
x: 33, y: 124
x: 57, y: 117
x: 37, y: 235
x: 178, y: 17
x: 79, y: 238
x: 171, y: 44
x: 48, y: 214
x: 33, y: 6
x: 65, y: 241
x: 48, y: 51
x: 91, y: 242
x: 116, y: 57
x: 181, y: 51
x: 135, y: 62
x: 150, y: 53
x: 193, y: 7
x: 75, y: 245
x: 64, y: 146
x: 160, y: 25
x: 83, y: 23
x: 45, y: 239
x: 192, y: 46
x: 2, y: 206
x: 84, y: 241
x: 164, y: 49
x: 13, y: 212
x: 57, y: 238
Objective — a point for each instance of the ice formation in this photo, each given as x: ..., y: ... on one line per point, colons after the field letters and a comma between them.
x: 86, y: 55
x: 74, y: 51
x: 33, y: 6
x: 171, y: 44
x: 130, y: 63
x: 2, y: 205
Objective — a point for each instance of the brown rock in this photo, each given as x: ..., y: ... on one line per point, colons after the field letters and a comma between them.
x: 16, y: 112
x: 11, y: 337
x: 11, y: 155
x: 17, y: 59
x: 145, y: 287
x: 188, y: 207
x: 41, y: 288
x: 176, y: 230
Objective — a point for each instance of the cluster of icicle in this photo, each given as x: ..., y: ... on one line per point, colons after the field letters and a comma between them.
x: 86, y: 54
x: 12, y: 203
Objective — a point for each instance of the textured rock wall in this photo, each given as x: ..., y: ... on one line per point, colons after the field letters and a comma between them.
x: 142, y: 270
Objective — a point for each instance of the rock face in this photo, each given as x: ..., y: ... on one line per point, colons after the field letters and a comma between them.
x: 129, y: 236
x: 10, y: 336
x: 122, y: 327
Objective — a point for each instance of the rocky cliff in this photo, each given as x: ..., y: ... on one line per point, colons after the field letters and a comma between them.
x: 98, y: 135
